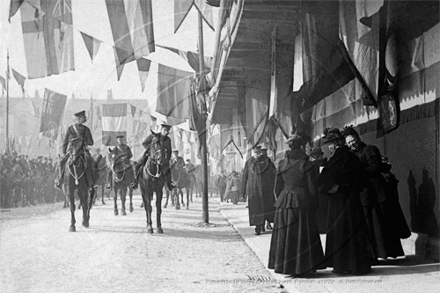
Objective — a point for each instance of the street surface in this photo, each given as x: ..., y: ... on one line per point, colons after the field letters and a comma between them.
x: 115, y: 254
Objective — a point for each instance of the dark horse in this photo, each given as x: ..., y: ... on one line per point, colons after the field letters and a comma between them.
x: 152, y: 180
x: 180, y: 179
x: 101, y: 172
x: 122, y: 174
x: 79, y: 177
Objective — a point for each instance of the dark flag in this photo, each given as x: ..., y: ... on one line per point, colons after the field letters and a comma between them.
x: 197, y: 107
x: 52, y: 112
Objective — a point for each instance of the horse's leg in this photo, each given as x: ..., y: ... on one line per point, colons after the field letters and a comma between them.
x: 181, y: 196
x: 102, y: 193
x: 146, y: 198
x: 176, y: 198
x: 167, y: 196
x: 159, y: 195
x: 123, y: 197
x: 90, y: 200
x: 115, y: 199
x: 187, y: 198
x: 85, y: 199
x: 130, y: 194
x: 71, y: 195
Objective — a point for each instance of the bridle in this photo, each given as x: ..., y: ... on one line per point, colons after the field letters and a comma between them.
x: 155, y: 158
x: 73, y: 166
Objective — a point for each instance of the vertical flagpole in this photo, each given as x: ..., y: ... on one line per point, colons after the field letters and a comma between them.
x: 7, y: 104
x: 203, y: 141
x: 91, y: 113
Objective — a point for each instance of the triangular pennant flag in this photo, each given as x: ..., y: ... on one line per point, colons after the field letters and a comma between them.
x: 133, y: 110
x: 144, y: 68
x: 3, y: 82
x: 119, y: 66
x: 206, y: 11
x: 92, y: 45
x: 19, y: 78
x: 13, y: 8
x: 181, y: 9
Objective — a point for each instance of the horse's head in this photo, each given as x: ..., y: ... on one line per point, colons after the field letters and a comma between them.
x: 156, y: 152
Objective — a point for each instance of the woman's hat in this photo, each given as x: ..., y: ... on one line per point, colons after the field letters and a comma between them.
x: 349, y: 130
x: 331, y: 134
x: 300, y: 138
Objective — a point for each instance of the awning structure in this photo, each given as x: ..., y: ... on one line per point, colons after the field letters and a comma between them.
x: 284, y: 66
x: 242, y: 72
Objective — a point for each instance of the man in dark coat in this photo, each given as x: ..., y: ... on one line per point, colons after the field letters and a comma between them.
x: 252, y: 188
x: 77, y: 137
x: 122, y: 152
x: 267, y: 174
x: 346, y: 249
x: 166, y: 147
x: 379, y: 205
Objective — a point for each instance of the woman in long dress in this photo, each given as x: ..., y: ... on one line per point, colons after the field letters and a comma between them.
x: 295, y: 247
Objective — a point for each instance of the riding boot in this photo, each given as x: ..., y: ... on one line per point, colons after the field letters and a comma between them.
x: 137, y: 170
x: 61, y: 169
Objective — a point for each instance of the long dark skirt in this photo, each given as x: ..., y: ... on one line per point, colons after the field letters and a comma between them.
x: 295, y: 247
x: 382, y: 233
x: 347, y: 247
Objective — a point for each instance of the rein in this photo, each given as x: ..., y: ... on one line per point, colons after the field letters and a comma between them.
x: 157, y: 162
x: 115, y: 175
x: 75, y: 175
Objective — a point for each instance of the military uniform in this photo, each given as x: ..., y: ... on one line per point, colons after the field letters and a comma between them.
x: 166, y: 149
x: 77, y: 137
x: 122, y: 150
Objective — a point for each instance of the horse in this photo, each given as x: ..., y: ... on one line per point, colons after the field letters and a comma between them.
x: 122, y: 174
x: 101, y: 173
x: 79, y: 177
x: 152, y: 180
x: 180, y: 179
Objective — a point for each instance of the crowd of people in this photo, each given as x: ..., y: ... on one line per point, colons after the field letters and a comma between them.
x: 25, y: 181
x: 350, y: 195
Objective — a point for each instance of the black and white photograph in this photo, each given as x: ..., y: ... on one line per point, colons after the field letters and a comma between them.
x: 269, y: 146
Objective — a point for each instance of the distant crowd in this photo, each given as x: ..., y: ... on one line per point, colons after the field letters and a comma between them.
x: 25, y: 181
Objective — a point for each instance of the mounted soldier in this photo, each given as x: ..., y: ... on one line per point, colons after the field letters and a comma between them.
x: 176, y: 160
x: 122, y: 152
x: 166, y: 148
x: 76, y: 140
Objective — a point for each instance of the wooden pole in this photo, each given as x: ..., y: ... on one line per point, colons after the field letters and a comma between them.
x: 7, y: 104
x: 203, y: 146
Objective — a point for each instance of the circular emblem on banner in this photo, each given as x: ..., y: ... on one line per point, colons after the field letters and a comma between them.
x: 187, y: 151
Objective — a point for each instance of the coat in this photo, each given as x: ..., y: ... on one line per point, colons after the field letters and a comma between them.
x: 252, y: 181
x: 166, y: 145
x: 295, y: 183
x: 77, y: 136
x: 373, y: 182
x: 267, y: 174
x: 347, y: 247
x: 121, y: 150
x: 295, y: 246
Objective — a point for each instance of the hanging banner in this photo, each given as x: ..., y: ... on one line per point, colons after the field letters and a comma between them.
x: 52, y: 111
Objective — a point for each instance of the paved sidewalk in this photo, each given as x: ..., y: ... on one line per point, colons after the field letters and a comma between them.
x: 401, y: 275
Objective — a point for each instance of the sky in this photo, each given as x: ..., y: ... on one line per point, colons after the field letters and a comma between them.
x: 97, y: 77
